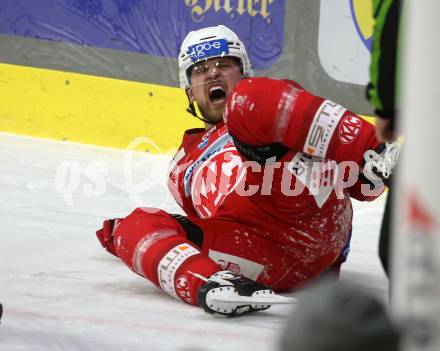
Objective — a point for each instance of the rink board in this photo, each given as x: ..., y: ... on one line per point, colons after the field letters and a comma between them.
x: 92, y: 110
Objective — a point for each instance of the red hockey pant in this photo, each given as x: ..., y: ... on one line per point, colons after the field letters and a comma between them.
x: 171, y: 253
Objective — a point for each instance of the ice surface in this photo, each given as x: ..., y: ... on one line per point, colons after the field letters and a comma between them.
x: 61, y: 291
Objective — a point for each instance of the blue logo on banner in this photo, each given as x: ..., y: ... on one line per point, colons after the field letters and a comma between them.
x: 153, y: 27
x: 208, y: 49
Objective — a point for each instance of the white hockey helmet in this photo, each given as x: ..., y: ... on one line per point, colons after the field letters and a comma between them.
x: 208, y: 43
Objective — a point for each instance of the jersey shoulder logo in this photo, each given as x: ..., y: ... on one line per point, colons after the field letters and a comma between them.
x: 322, y: 128
x: 349, y: 129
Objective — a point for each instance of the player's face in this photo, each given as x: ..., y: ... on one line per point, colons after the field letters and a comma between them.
x: 211, y: 83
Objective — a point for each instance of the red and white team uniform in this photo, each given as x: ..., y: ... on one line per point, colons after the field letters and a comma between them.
x: 281, y: 223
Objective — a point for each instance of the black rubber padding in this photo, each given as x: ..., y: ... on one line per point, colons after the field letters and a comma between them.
x: 193, y: 232
x: 262, y: 154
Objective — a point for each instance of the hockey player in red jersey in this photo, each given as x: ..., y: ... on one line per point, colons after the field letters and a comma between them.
x: 267, y: 201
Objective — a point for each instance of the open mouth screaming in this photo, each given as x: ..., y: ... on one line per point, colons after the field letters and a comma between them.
x: 217, y: 94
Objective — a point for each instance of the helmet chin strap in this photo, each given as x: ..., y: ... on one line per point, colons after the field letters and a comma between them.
x: 192, y: 110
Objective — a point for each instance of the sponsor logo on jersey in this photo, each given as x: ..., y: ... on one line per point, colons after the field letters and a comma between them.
x: 203, y: 144
x: 216, y: 147
x: 182, y: 288
x: 349, y: 129
x: 248, y: 268
x: 205, y: 138
x: 317, y: 175
x: 322, y: 128
x: 207, y: 49
x: 170, y: 263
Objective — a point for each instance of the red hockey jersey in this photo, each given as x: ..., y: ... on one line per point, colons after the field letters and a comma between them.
x: 299, y: 201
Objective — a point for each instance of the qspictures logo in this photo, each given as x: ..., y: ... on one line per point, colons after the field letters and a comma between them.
x: 140, y: 177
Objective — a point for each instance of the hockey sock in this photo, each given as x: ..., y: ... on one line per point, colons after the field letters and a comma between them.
x: 154, y: 245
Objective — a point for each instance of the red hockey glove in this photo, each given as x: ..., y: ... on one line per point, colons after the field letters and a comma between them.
x: 107, y: 233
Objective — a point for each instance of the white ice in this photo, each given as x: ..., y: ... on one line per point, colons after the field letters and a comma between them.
x: 62, y: 291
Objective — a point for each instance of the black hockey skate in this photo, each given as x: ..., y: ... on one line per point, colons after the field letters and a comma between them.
x: 228, y: 294
x: 380, y: 163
